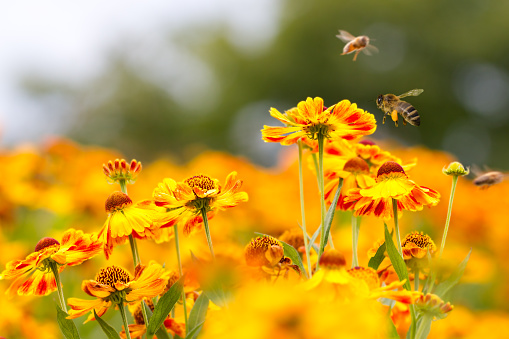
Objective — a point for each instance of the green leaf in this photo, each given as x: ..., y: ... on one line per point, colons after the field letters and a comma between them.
x: 375, y: 261
x: 392, y: 331
x: 67, y: 326
x: 290, y: 252
x: 397, y: 261
x: 330, y: 215
x: 164, y: 306
x: 161, y: 331
x: 446, y: 285
x: 110, y: 332
x: 197, y: 316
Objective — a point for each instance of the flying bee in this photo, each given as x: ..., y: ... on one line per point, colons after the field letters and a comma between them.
x: 356, y: 44
x: 391, y: 105
x: 485, y: 180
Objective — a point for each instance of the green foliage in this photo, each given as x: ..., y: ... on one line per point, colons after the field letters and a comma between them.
x: 330, y: 215
x: 67, y: 326
x: 197, y: 316
x: 164, y: 306
x: 110, y: 332
x: 446, y: 285
x: 375, y: 261
x: 397, y: 261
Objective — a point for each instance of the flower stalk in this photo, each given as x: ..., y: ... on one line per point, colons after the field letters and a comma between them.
x: 177, y: 247
x: 449, y: 210
x: 121, y: 307
x: 323, y: 239
x: 54, y: 268
x: 303, y: 213
x: 356, y: 223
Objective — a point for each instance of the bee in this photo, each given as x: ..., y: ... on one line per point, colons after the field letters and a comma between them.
x: 485, y: 180
x: 356, y: 44
x: 391, y: 105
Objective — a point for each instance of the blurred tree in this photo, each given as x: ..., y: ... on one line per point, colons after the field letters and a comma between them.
x: 456, y: 51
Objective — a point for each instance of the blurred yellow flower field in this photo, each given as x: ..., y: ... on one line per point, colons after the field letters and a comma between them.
x: 238, y: 291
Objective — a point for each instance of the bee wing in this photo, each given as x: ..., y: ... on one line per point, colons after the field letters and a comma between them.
x: 413, y: 93
x: 370, y: 49
x: 345, y: 36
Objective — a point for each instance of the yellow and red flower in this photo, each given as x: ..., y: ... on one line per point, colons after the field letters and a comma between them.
x: 119, y: 170
x: 125, y: 218
x: 113, y: 285
x: 34, y: 275
x: 391, y: 183
x: 415, y: 248
x: 186, y: 200
x: 310, y: 119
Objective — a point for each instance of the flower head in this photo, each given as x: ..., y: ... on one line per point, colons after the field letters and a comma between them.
x: 119, y: 170
x: 433, y: 305
x: 415, y: 247
x: 455, y: 168
x: 125, y: 218
x: 114, y: 285
x: 185, y: 200
x: 263, y: 251
x: 391, y: 183
x: 311, y: 119
x: 33, y: 275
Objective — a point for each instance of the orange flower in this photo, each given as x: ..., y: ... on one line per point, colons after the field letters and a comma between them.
x: 415, y: 248
x: 125, y: 219
x: 185, y: 200
x: 355, y: 174
x: 391, y: 183
x: 113, y: 285
x: 310, y: 119
x: 33, y: 275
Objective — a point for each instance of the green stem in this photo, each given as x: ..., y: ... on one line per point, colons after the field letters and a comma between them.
x: 323, y: 239
x: 416, y: 279
x: 424, y: 326
x: 124, y: 319
x: 54, y: 268
x: 207, y: 231
x: 396, y: 225
x: 413, y: 325
x: 303, y: 213
x: 451, y: 198
x: 134, y: 250
x: 355, y: 239
x: 177, y: 246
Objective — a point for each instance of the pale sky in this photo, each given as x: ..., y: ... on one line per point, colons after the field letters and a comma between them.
x: 68, y: 40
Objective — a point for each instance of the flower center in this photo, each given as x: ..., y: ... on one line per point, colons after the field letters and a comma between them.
x: 356, y: 165
x: 390, y: 170
x: 366, y: 274
x: 420, y: 239
x: 202, y: 181
x: 112, y: 275
x: 117, y: 201
x: 332, y: 259
x: 45, y: 242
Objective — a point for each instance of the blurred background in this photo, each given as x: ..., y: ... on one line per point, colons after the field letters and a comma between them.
x: 165, y: 78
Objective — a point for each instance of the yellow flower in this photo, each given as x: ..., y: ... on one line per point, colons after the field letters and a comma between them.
x: 263, y: 251
x: 125, y: 219
x: 185, y: 200
x: 391, y: 183
x: 310, y: 119
x: 114, y: 285
x: 33, y: 275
